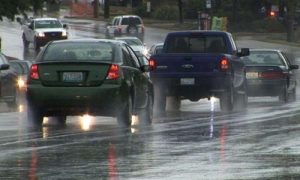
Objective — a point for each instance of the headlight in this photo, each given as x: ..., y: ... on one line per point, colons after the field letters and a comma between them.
x: 41, y: 34
x: 64, y: 33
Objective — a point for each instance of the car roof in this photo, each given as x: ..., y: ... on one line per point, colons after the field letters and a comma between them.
x: 209, y: 32
x: 87, y: 40
x: 129, y: 15
x: 271, y: 50
x: 45, y: 18
x: 126, y: 37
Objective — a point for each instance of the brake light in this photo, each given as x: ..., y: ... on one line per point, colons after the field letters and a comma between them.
x: 113, y: 72
x: 119, y: 29
x: 143, y: 29
x: 152, y: 63
x: 34, y: 72
x: 271, y: 75
x: 224, y: 64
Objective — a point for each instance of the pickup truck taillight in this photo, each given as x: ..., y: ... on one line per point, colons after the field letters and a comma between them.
x: 152, y: 63
x: 34, y: 72
x: 113, y: 72
x: 224, y: 64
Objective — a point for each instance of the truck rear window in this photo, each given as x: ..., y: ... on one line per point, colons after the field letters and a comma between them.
x: 196, y: 44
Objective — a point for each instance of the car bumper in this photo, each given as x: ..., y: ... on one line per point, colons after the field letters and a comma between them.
x: 265, y: 87
x: 107, y: 100
x: 195, y: 89
x: 42, y: 41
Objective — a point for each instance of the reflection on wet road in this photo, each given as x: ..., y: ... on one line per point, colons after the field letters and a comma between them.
x: 260, y: 143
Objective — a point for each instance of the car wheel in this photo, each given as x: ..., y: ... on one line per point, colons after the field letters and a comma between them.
x: 125, y: 116
x: 293, y: 96
x: 132, y: 30
x: 174, y: 103
x: 60, y: 120
x: 36, y: 46
x: 146, y: 114
x: 283, y: 97
x: 25, y: 42
x: 34, y: 116
x: 13, y: 104
x: 241, y: 99
x: 159, y: 99
x: 227, y: 100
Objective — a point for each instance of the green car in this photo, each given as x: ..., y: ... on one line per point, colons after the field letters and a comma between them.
x: 98, y: 77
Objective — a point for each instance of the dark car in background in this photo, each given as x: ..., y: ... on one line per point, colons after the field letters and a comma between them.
x: 89, y: 76
x: 269, y: 72
x: 8, y: 83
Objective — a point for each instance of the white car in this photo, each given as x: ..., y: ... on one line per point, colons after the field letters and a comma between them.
x: 126, y: 25
x: 39, y: 31
x: 135, y: 43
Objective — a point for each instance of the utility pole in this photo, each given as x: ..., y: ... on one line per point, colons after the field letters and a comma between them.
x: 180, y: 11
x: 96, y: 8
x: 106, y: 9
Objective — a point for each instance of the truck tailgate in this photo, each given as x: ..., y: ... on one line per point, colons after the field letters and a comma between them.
x: 184, y: 65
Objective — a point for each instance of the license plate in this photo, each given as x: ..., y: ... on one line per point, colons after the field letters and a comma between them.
x: 72, y: 76
x: 252, y: 75
x: 187, y: 81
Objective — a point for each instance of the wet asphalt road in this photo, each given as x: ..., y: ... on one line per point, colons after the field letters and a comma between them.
x: 197, y: 142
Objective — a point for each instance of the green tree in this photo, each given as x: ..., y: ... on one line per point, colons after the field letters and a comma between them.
x: 9, y: 8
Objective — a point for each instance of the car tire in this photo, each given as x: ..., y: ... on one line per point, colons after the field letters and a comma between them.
x: 284, y: 96
x: 34, y: 115
x: 146, y: 114
x: 36, y: 46
x: 25, y: 42
x: 227, y: 100
x: 132, y: 30
x: 160, y: 99
x: 174, y: 103
x: 60, y: 120
x: 124, y: 118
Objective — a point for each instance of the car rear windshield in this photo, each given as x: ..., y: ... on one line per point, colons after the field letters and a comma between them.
x: 263, y: 58
x: 196, y: 44
x: 47, y: 24
x: 81, y: 51
x: 131, y: 21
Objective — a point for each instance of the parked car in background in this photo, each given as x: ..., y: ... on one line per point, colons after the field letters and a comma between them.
x: 135, y: 43
x: 40, y: 31
x: 156, y: 49
x: 94, y: 76
x: 8, y: 83
x: 126, y: 25
x: 270, y: 73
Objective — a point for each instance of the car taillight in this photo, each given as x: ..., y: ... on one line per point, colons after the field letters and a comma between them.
x: 119, y: 29
x: 224, y: 64
x: 152, y: 63
x: 271, y: 75
x: 143, y: 29
x: 113, y: 72
x: 34, y: 72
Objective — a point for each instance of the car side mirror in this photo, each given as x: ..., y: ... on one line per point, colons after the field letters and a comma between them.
x: 244, y: 52
x: 30, y: 26
x: 65, y: 26
x: 4, y: 67
x: 294, y: 67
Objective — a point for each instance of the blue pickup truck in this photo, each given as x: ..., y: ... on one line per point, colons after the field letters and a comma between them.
x: 200, y: 64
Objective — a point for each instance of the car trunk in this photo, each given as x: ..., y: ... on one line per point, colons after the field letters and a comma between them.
x: 73, y: 73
